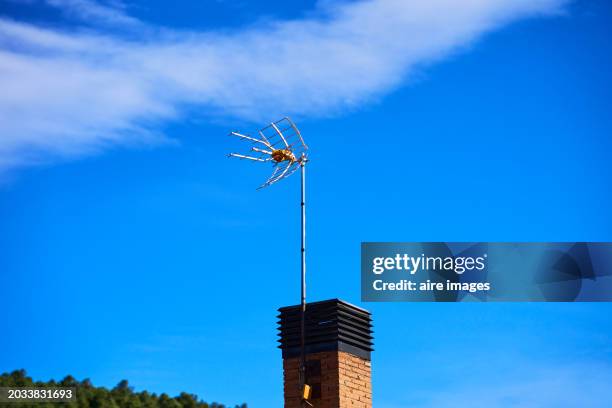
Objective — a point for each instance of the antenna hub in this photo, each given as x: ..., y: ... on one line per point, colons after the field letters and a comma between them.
x: 281, y: 155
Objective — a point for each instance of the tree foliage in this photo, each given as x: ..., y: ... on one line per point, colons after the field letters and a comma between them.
x: 89, y: 396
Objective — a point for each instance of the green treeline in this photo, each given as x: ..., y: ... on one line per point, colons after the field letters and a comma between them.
x: 87, y: 395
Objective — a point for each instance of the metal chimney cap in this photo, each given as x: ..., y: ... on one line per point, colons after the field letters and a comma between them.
x: 330, y: 325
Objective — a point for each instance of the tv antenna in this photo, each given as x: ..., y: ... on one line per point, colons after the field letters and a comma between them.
x: 281, y: 144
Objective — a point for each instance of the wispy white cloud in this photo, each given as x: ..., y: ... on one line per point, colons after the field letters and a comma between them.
x: 110, y: 12
x: 73, y: 92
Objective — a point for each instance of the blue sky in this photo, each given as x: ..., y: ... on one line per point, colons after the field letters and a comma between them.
x: 133, y: 248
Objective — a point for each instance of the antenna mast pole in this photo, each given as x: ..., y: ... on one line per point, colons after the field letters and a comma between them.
x: 303, y: 294
x: 282, y: 145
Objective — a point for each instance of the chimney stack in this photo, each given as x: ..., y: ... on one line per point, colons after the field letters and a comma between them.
x: 338, y: 344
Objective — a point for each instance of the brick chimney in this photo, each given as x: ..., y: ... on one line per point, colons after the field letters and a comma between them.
x: 338, y: 346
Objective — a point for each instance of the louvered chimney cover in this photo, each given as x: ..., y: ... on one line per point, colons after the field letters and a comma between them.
x: 329, y: 325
